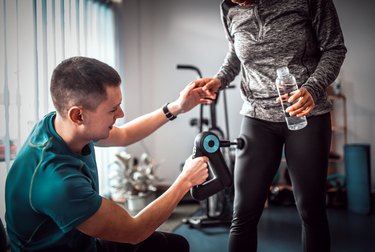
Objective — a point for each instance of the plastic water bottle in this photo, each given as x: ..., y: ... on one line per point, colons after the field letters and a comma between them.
x: 286, y: 84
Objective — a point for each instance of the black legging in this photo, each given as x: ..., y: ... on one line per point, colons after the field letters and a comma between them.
x: 306, y: 153
x: 158, y: 241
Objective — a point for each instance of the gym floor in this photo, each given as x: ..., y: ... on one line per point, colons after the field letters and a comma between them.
x: 280, y: 231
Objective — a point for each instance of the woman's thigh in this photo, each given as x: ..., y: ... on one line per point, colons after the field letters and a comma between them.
x: 256, y: 165
x: 307, y: 153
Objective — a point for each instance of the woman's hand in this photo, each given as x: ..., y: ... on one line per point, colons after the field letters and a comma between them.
x: 210, y: 86
x: 304, y: 103
x: 242, y: 2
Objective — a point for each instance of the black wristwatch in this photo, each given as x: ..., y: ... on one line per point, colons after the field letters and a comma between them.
x: 168, y: 113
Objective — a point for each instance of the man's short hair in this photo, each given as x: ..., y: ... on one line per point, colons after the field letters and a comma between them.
x: 81, y: 81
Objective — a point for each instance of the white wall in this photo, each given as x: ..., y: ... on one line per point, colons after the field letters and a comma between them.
x: 157, y: 35
x: 357, y: 19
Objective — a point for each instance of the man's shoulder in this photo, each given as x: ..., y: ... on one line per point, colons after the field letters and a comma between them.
x: 41, y: 133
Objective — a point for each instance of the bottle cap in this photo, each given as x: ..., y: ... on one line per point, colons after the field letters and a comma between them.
x: 282, y: 71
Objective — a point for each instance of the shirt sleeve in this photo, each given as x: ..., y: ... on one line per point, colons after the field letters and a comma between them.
x: 231, y: 65
x: 66, y: 195
x: 230, y: 68
x: 326, y: 24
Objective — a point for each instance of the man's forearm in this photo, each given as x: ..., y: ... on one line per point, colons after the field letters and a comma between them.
x: 157, y: 212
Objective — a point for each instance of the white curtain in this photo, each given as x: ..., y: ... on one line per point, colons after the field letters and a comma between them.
x: 36, y: 35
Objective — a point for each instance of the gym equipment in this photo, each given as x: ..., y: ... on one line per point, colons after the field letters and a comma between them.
x: 208, y: 144
x: 218, y: 206
x: 358, y: 177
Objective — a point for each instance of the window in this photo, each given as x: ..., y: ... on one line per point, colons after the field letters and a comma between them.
x: 35, y: 35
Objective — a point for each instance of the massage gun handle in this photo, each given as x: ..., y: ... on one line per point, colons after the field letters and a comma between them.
x: 221, y: 179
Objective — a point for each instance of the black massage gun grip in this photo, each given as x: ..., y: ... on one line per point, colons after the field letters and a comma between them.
x: 197, y: 152
x: 218, y: 165
x: 221, y: 169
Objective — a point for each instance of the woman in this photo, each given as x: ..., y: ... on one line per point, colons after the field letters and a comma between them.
x: 263, y: 35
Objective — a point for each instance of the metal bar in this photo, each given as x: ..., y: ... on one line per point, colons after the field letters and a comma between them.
x: 6, y: 93
x: 36, y: 61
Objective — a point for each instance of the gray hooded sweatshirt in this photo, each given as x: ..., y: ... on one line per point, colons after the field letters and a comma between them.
x: 304, y: 35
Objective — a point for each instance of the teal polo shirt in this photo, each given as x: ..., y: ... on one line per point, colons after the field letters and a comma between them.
x: 49, y: 191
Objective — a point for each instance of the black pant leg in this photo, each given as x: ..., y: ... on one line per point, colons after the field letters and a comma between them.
x: 255, y: 168
x: 158, y: 241
x: 307, y: 153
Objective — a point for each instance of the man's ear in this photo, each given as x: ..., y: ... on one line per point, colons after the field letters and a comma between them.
x: 75, y: 115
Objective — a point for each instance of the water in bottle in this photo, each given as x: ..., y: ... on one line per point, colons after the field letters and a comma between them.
x: 286, y: 84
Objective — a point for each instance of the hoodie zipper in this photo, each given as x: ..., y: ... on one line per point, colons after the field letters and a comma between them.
x: 260, y: 23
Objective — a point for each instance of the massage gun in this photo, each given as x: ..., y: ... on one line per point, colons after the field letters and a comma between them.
x: 208, y: 144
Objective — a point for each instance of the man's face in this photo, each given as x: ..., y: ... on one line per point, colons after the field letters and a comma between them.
x: 99, y: 123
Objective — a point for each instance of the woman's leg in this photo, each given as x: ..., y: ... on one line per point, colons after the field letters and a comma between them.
x: 158, y: 241
x: 307, y: 152
x: 255, y: 167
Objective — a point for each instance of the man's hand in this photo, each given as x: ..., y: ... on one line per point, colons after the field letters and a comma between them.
x: 190, y: 96
x: 195, y: 170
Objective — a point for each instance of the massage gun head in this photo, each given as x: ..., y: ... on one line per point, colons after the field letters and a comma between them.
x: 209, y: 142
x: 240, y: 143
x: 205, y: 143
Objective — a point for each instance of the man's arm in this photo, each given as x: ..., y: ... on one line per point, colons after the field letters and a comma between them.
x: 112, y: 222
x: 143, y: 126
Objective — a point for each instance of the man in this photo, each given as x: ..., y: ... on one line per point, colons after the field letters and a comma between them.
x: 52, y: 199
